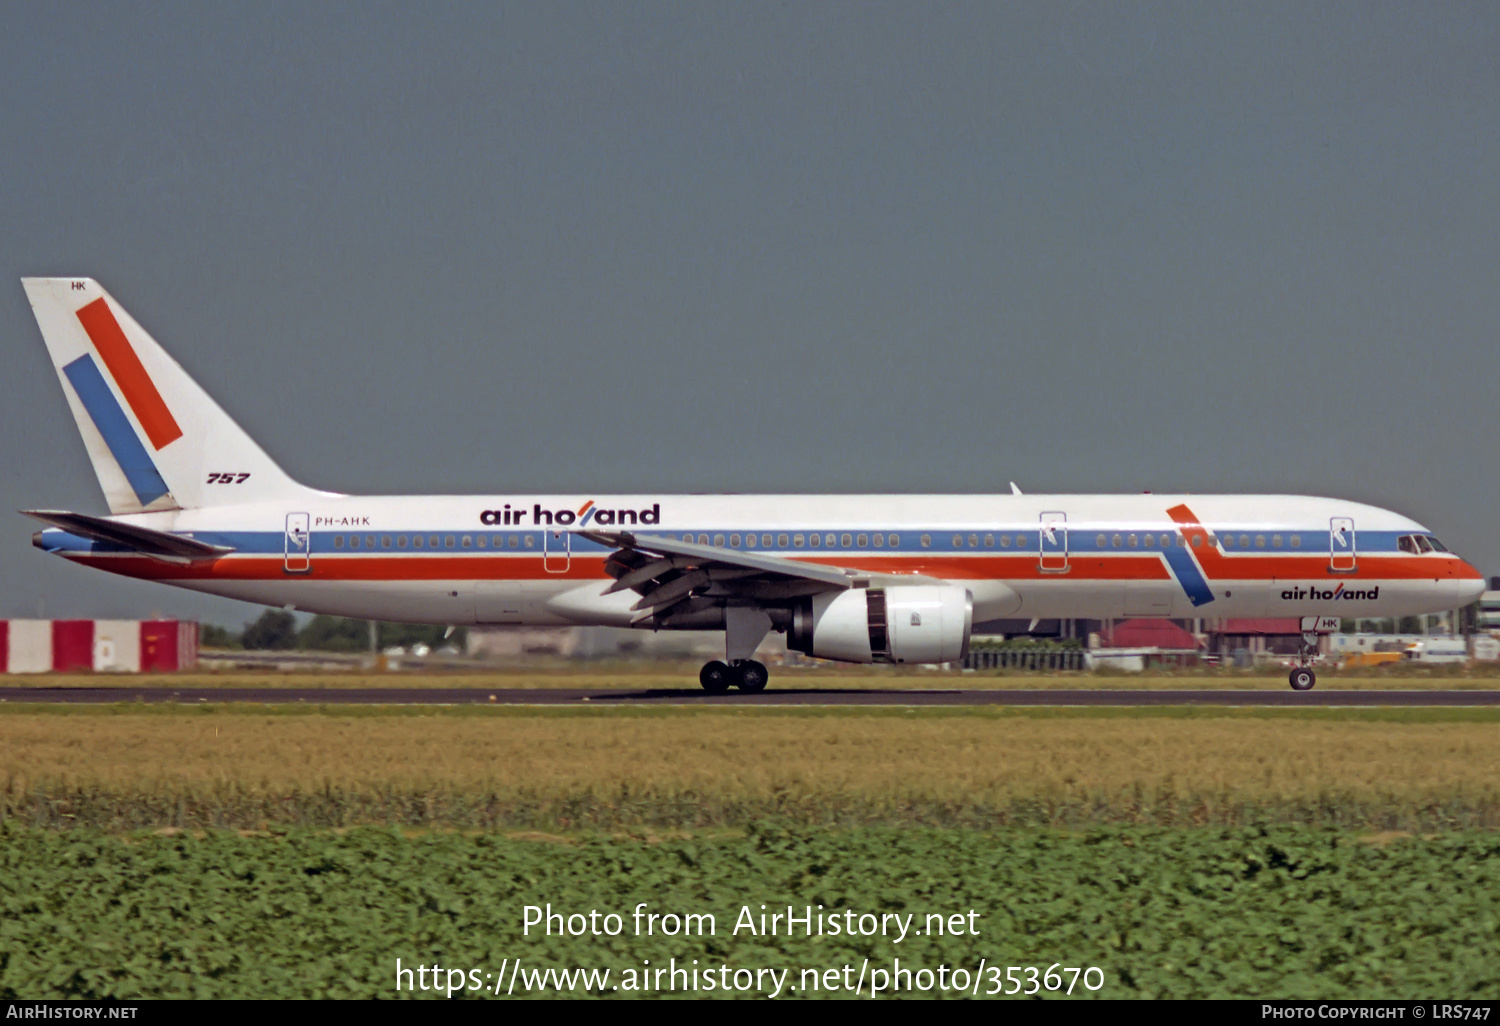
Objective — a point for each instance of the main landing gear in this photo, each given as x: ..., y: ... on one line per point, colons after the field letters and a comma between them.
x: 746, y: 674
x: 1302, y: 679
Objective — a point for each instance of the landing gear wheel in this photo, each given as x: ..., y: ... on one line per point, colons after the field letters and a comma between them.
x: 716, y: 677
x: 753, y: 676
x: 1302, y: 679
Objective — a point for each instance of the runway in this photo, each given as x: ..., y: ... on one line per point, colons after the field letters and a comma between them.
x: 845, y: 697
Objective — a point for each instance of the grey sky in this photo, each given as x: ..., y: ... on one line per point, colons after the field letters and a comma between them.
x: 713, y: 247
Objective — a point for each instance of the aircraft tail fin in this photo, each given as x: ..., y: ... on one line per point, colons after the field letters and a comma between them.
x: 156, y: 439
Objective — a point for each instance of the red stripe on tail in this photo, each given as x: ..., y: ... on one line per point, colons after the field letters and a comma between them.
x: 125, y: 367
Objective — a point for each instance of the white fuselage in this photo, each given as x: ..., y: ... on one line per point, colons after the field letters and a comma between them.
x: 522, y: 560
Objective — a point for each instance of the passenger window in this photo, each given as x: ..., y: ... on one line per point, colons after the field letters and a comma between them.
x: 1020, y: 541
x: 385, y: 541
x: 369, y: 541
x: 687, y: 538
x: 1197, y: 541
x: 448, y: 542
x: 781, y: 541
x: 1166, y: 540
x: 1244, y: 541
x: 815, y: 540
x: 1229, y: 541
x: 973, y: 541
x: 1132, y: 541
x: 845, y: 541
x: 703, y: 539
x: 1296, y: 541
x: 416, y: 541
x: 433, y: 542
x: 734, y: 541
x: 879, y: 540
x: 1275, y: 541
x: 338, y: 541
x: 479, y: 541
x: 719, y: 540
x: 1101, y: 542
x: 797, y: 541
x: 828, y: 541
x: 958, y: 541
x: 895, y: 541
x: 1150, y: 541
x: 765, y: 541
x: 530, y: 541
x: 400, y: 541
x: 1116, y: 541
x: 926, y: 541
x: 989, y: 541
x: 513, y: 541
x: 1260, y: 541
x: 1005, y: 541
x: 468, y: 542
x: 863, y: 541
x: 749, y: 541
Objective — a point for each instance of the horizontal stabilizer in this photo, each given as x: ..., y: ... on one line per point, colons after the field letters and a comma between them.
x: 171, y: 547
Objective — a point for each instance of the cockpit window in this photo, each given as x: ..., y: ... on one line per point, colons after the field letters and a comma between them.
x: 1437, y: 546
x: 1422, y: 543
x: 1407, y: 543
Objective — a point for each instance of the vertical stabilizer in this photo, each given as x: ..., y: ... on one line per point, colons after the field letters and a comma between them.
x: 156, y: 439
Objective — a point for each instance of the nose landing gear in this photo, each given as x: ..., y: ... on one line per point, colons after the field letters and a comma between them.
x: 746, y: 674
x: 1302, y: 678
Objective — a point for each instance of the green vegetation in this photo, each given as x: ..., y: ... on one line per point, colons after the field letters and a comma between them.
x: 276, y: 630
x: 1183, y: 913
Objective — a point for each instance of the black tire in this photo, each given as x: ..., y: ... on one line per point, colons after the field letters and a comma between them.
x: 752, y: 676
x: 1302, y: 679
x: 716, y: 677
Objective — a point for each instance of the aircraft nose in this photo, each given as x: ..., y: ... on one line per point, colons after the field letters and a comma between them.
x: 1470, y: 588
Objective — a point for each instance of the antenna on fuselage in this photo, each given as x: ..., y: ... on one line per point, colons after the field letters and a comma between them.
x: 1013, y: 489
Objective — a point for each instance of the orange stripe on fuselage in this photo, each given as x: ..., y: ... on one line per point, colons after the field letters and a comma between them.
x: 954, y: 568
x: 125, y: 367
x: 1219, y: 566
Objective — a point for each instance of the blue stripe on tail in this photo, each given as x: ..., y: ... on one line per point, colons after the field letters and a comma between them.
x: 104, y: 410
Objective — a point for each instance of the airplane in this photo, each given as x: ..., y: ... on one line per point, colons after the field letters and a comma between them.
x: 195, y: 503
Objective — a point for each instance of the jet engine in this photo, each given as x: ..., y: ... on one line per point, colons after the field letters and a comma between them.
x: 902, y: 624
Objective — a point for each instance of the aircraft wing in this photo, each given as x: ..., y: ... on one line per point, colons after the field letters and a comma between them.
x: 675, y: 577
x: 666, y: 572
x: 174, y: 548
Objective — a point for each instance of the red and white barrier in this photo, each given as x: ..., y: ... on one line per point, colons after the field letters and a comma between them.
x: 102, y: 646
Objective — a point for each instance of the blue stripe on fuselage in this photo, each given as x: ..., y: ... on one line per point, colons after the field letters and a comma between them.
x: 104, y: 410
x: 1185, y: 569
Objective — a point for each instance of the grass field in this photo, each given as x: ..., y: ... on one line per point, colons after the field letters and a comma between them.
x: 685, y: 675
x: 129, y: 767
x: 1160, y: 913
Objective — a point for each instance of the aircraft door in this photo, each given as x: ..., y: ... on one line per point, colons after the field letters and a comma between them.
x: 1341, y: 554
x: 1054, y: 543
x: 557, y: 551
x: 297, y: 545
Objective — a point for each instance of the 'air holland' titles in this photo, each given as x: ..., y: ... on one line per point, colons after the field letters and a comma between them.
x: 585, y: 515
x: 1340, y: 593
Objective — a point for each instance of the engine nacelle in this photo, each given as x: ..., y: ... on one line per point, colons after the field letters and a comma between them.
x: 917, y: 623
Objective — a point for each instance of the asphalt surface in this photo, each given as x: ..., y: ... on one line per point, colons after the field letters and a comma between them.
x: 771, y: 697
